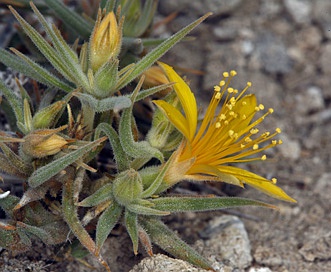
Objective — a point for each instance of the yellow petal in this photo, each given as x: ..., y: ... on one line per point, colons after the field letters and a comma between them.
x: 257, y: 182
x: 175, y: 117
x: 186, y: 98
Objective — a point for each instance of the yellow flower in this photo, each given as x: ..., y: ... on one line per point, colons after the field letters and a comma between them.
x: 225, y: 136
x: 105, y: 41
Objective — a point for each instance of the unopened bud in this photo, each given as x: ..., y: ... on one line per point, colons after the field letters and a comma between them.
x: 127, y: 187
x: 154, y: 76
x: 42, y: 143
x: 105, y: 41
x: 46, y: 116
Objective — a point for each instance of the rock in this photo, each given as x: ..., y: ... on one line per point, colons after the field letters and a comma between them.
x: 227, y: 242
x: 272, y: 54
x: 267, y: 256
x: 162, y: 263
x: 325, y: 58
x: 321, y: 15
x: 199, y: 7
x: 260, y: 269
x: 300, y: 10
x: 290, y: 149
x: 317, y: 248
x: 323, y: 185
x: 311, y: 100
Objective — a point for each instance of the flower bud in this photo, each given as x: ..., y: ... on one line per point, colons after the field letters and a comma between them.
x: 42, y: 143
x: 127, y: 187
x: 105, y: 41
x: 46, y: 116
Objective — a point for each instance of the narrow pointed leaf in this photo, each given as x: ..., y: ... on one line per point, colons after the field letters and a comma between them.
x: 198, y: 203
x: 15, y: 102
x: 106, y: 223
x: 131, y: 224
x: 70, y: 18
x: 71, y: 217
x: 115, y: 103
x: 44, y: 173
x: 67, y: 55
x: 146, y: 93
x: 121, y: 158
x: 39, y: 232
x: 159, y: 51
x: 143, y: 210
x: 28, y: 67
x: 166, y: 239
x: 15, y: 160
x: 101, y: 195
x: 47, y: 50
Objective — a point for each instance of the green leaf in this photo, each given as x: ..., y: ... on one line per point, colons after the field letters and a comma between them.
x: 70, y: 18
x: 101, y: 195
x: 135, y: 149
x: 109, y: 5
x: 15, y: 160
x: 67, y: 55
x: 159, y: 51
x: 15, y: 102
x: 47, y: 50
x: 145, y: 93
x: 106, y: 223
x: 71, y: 217
x: 121, y: 158
x: 143, y: 210
x: 166, y: 239
x: 208, y: 203
x: 114, y: 103
x: 131, y: 224
x: 38, y: 232
x: 28, y: 67
x: 44, y: 173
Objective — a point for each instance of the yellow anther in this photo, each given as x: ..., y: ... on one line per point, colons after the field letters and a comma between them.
x: 232, y: 100
x: 235, y: 91
x: 217, y: 125
x: 257, y: 108
x: 233, y: 73
x: 222, y: 117
x: 280, y: 141
x: 229, y: 106
x: 231, y: 133
x: 226, y: 122
x: 271, y: 110
x: 217, y: 96
x: 264, y: 157
x: 244, y: 117
x: 249, y: 84
x: 242, y: 146
x: 226, y: 74
x: 274, y: 142
x: 230, y: 90
x: 247, y: 139
x: 222, y: 83
x: 278, y: 130
x: 265, y: 134
x: 274, y: 180
x: 254, y: 131
x: 244, y: 103
x: 217, y: 88
x: 232, y: 113
x: 255, y: 146
x: 261, y: 107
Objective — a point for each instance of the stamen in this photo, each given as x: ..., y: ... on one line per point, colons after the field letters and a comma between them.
x: 222, y: 83
x: 217, y: 88
x: 274, y: 142
x: 261, y: 107
x: 264, y: 157
x: 278, y: 130
x: 230, y: 90
x: 255, y: 146
x: 280, y: 141
x: 222, y: 117
x: 271, y: 110
x: 217, y: 125
x: 217, y: 96
x: 226, y: 74
x: 231, y: 132
x: 274, y: 180
x: 254, y: 131
x: 233, y: 73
